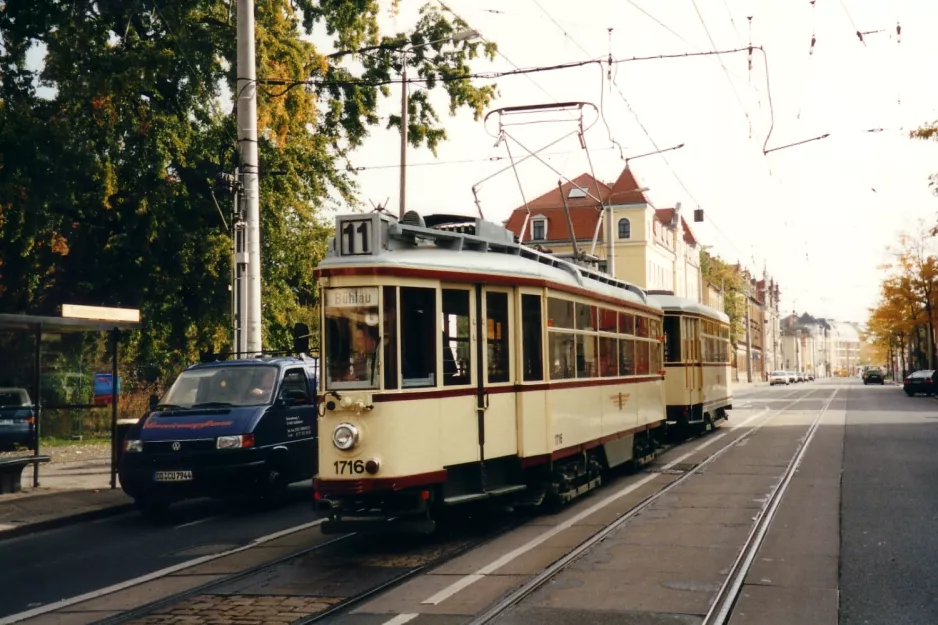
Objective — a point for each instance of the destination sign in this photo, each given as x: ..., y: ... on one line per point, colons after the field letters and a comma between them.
x: 351, y: 297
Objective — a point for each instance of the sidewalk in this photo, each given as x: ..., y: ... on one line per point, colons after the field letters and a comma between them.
x: 69, y: 492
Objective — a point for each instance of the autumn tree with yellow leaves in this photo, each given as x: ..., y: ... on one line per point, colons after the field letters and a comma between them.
x: 903, y: 322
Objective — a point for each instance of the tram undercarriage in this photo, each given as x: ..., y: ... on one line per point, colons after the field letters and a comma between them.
x: 502, y: 481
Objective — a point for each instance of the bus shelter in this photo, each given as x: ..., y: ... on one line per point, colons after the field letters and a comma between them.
x: 74, y: 319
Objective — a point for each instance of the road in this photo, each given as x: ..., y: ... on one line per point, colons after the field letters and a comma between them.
x: 889, y: 514
x: 49, y: 566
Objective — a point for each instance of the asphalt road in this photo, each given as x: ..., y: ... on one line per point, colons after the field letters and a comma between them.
x: 889, y: 509
x: 49, y: 566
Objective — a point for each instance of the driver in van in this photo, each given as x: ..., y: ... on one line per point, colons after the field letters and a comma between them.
x: 263, y: 385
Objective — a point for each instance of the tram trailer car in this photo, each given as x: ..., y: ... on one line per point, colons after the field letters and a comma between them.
x: 460, y: 366
x: 697, y: 361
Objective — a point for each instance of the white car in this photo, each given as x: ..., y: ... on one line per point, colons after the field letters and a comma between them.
x: 778, y: 377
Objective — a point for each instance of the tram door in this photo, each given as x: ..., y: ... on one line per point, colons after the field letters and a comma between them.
x: 495, y: 400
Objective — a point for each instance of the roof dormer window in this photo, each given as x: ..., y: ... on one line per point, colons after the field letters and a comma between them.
x: 576, y: 192
x: 539, y: 229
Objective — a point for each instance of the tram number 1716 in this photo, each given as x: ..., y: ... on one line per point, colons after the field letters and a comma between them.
x: 349, y: 466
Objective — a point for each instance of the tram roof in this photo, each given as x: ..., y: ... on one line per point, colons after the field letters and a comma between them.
x: 672, y: 303
x: 488, y: 252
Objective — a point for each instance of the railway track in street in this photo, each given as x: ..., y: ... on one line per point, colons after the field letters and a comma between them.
x: 721, y: 609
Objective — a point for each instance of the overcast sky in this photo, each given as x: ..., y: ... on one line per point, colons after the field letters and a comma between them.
x: 808, y: 213
x: 819, y: 216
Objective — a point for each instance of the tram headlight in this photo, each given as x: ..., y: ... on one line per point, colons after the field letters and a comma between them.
x: 345, y: 436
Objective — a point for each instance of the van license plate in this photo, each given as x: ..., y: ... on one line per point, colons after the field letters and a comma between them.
x: 173, y: 476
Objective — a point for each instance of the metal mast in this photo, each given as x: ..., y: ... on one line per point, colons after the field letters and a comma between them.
x: 247, y: 143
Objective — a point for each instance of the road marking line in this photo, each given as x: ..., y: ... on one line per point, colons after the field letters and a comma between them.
x: 400, y: 619
x: 64, y: 603
x: 197, y: 521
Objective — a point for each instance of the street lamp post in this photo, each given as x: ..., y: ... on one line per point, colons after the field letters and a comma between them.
x: 462, y: 35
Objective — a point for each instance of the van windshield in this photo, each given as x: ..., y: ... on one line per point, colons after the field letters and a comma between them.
x: 237, y: 385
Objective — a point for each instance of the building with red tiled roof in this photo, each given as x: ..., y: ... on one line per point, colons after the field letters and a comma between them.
x: 652, y: 248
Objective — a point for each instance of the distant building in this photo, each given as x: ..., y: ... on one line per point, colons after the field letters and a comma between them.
x: 653, y: 248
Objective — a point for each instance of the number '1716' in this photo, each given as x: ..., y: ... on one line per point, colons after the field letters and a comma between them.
x: 349, y: 466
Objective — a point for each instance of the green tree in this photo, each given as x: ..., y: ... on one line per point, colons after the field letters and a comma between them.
x: 106, y: 186
x: 733, y: 282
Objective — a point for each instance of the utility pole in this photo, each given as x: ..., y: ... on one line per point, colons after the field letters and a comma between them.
x: 247, y: 146
x: 403, y: 201
x: 748, y: 332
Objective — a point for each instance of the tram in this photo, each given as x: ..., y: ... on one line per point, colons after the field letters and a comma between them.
x: 697, y: 361
x: 461, y: 366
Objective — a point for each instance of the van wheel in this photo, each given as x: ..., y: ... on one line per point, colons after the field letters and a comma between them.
x: 276, y: 481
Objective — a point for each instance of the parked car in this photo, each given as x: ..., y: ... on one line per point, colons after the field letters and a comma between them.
x: 799, y: 376
x: 225, y: 429
x: 810, y: 377
x: 792, y: 378
x: 920, y: 382
x: 779, y: 377
x: 873, y: 375
x: 16, y: 418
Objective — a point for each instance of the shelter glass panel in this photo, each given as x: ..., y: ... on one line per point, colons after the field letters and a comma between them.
x: 562, y: 360
x: 457, y: 351
x: 497, y: 336
x: 559, y: 313
x: 532, y: 338
x: 418, y: 337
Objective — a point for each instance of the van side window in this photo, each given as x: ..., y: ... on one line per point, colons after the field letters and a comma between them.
x: 294, y: 390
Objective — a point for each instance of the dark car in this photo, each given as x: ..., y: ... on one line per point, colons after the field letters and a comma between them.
x: 224, y: 429
x: 920, y: 382
x: 16, y: 418
x: 874, y: 376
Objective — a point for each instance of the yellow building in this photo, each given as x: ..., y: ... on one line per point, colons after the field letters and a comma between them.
x: 650, y: 247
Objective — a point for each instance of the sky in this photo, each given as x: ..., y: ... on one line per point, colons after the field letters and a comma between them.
x: 818, y: 217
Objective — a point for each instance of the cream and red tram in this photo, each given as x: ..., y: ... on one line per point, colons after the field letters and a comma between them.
x: 697, y: 361
x: 459, y: 366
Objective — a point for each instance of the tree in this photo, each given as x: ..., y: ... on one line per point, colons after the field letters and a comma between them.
x: 733, y: 283
x: 928, y: 132
x: 106, y: 193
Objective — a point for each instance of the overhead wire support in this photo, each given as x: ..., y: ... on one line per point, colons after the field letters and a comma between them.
x: 713, y: 45
x: 853, y: 23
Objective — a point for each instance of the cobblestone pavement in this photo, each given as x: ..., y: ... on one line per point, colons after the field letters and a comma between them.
x: 240, y: 610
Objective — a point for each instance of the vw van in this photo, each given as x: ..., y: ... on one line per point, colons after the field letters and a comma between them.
x: 225, y: 428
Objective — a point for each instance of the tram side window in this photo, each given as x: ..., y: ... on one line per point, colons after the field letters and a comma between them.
x: 642, y: 359
x: 672, y: 339
x: 561, y: 354
x: 626, y: 323
x: 585, y: 317
x: 585, y: 356
x: 626, y: 357
x: 457, y: 352
x: 497, y: 336
x: 654, y: 357
x: 390, y: 337
x: 559, y: 313
x: 418, y: 336
x: 532, y: 337
x: 608, y: 357
x: 641, y: 326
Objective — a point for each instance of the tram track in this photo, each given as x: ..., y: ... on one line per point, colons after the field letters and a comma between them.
x: 721, y: 609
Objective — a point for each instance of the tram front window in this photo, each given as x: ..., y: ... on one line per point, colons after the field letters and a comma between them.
x: 352, y: 340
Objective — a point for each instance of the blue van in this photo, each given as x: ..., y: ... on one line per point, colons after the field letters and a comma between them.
x: 225, y: 428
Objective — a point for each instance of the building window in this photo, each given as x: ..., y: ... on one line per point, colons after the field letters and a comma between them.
x: 625, y: 229
x: 539, y: 230
x: 577, y: 192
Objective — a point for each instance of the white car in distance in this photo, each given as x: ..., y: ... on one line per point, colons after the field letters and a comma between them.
x: 779, y: 377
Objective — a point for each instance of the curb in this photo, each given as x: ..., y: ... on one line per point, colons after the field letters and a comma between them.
x: 63, y: 521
